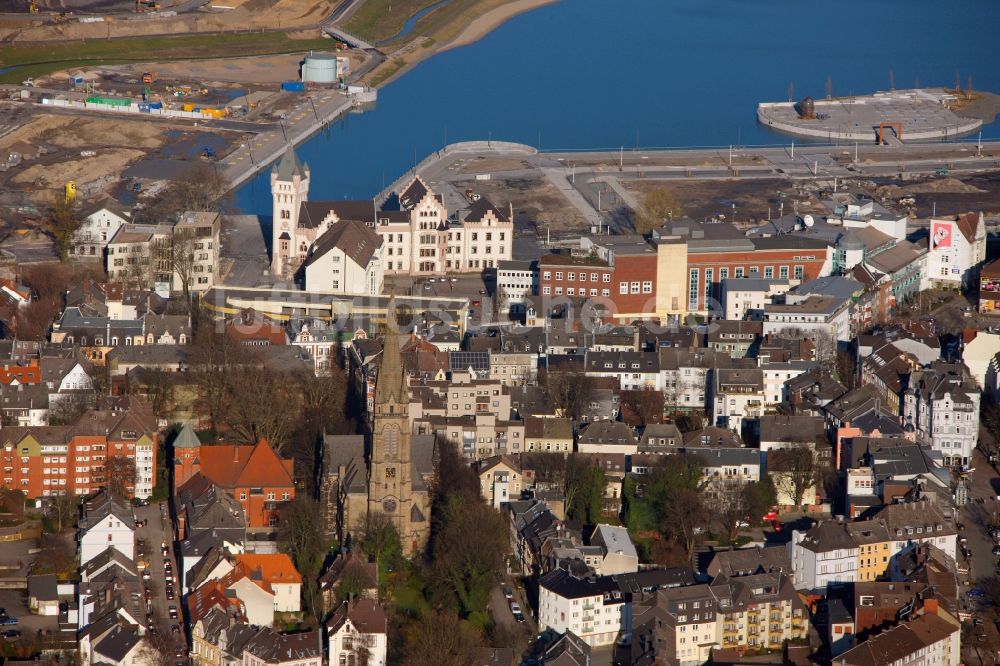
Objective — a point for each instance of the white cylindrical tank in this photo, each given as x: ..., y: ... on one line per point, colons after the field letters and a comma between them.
x: 320, y: 68
x: 808, y: 220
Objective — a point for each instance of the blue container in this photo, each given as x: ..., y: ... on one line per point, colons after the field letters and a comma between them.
x: 293, y: 86
x: 156, y: 105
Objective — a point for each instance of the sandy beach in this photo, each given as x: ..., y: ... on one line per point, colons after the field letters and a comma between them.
x: 491, y: 20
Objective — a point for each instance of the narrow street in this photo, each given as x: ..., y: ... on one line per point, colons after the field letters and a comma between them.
x: 155, y: 532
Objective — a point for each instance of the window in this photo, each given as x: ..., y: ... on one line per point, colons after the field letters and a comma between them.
x: 783, y: 272
x: 693, y: 290
x: 607, y: 277
x: 571, y: 275
x: 798, y: 272
x: 559, y: 275
x: 623, y: 288
x: 768, y: 272
x: 739, y: 272
x: 635, y: 287
x: 647, y: 287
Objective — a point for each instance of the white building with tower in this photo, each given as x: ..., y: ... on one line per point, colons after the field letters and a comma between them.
x: 420, y: 238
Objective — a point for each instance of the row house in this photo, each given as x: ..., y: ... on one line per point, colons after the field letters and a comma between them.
x: 737, y: 396
x: 739, y: 339
x: 219, y: 639
x: 745, y: 298
x: 548, y: 434
x: 635, y: 370
x: 357, y: 633
x: 140, y: 256
x: 825, y: 555
x: 263, y: 584
x: 888, y: 369
x: 932, y: 638
x: 726, y: 467
x: 194, y: 251
x: 941, y: 405
x: 989, y: 288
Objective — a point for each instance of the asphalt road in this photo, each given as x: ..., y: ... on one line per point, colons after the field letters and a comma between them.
x: 156, y: 531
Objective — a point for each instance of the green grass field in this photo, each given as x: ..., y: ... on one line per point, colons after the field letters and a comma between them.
x: 40, y: 58
x: 380, y: 19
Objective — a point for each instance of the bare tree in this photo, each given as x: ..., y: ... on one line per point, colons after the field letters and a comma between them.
x: 570, y: 391
x: 794, y: 471
x: 300, y: 534
x: 440, y: 638
x: 658, y: 207
x: 182, y: 258
x: 68, y: 408
x: 119, y: 474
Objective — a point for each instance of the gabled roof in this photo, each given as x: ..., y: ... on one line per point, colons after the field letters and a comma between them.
x: 268, y: 569
x: 212, y: 595
x: 244, y: 466
x: 366, y: 615
x: 968, y: 224
x: 481, y: 208
x: 356, y: 239
x: 104, y: 504
x: 413, y: 194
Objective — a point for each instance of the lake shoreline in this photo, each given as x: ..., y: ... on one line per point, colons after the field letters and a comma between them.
x: 478, y: 28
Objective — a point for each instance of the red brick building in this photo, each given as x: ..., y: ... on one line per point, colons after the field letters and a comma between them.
x: 252, y: 473
x: 629, y: 273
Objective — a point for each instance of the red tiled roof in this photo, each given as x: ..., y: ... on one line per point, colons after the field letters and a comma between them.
x: 244, y: 466
x: 23, y: 374
x: 271, y: 568
x: 212, y: 595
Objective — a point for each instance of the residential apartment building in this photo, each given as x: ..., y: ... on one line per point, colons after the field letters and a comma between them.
x: 759, y: 611
x: 875, y: 548
x: 745, y: 298
x: 680, y: 627
x: 957, y: 251
x: 941, y: 405
x: 45, y: 461
x: 195, y: 251
x: 824, y: 555
x: 107, y: 522
x: 738, y: 396
x: 139, y: 255
x: 516, y: 281
x: 96, y: 230
x: 594, y: 609
x: 932, y: 638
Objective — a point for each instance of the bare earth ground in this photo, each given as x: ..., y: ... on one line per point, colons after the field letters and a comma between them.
x: 490, y: 20
x: 493, y: 164
x: 704, y: 199
x: 535, y: 201
x: 117, y: 143
x: 979, y: 193
x: 248, y: 15
x: 254, y: 70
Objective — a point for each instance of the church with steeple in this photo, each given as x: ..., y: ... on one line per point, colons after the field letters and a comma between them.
x: 399, y: 464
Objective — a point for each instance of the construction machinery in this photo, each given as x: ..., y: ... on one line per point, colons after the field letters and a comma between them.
x: 148, y: 77
x: 33, y: 6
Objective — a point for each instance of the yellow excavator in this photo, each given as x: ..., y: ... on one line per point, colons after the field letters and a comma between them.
x: 33, y: 6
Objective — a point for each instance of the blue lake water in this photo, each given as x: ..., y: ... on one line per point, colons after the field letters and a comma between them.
x: 653, y: 73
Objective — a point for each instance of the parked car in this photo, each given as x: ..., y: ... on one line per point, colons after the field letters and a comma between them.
x: 172, y: 612
x: 7, y: 621
x: 11, y: 633
x: 170, y: 594
x: 996, y: 550
x: 508, y: 593
x: 515, y: 607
